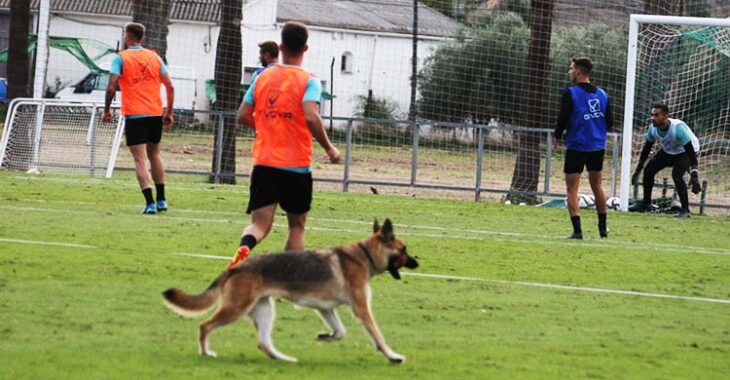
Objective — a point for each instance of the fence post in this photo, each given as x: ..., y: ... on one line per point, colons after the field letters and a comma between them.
x: 614, y: 164
x: 414, y: 156
x: 91, y: 140
x: 480, y: 158
x: 219, y: 152
x: 548, y: 156
x: 348, y: 152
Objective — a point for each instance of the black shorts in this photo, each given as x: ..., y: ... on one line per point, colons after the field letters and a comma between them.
x: 576, y: 160
x: 143, y: 130
x: 293, y: 191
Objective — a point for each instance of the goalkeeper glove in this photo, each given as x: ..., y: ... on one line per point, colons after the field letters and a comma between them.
x: 694, y: 181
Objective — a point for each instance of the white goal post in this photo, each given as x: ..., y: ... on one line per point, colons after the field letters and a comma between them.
x: 60, y: 136
x: 631, y: 75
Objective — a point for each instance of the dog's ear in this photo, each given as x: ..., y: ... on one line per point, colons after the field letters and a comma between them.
x: 376, y: 226
x: 387, y: 232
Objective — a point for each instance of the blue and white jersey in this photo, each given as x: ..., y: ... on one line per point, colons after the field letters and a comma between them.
x: 674, y: 138
x: 588, y: 126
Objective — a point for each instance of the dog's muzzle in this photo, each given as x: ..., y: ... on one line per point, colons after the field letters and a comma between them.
x: 400, y: 261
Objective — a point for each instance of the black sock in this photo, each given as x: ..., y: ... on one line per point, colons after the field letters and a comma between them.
x: 576, y: 224
x: 160, y: 187
x: 601, y: 222
x: 148, y: 195
x: 249, y: 241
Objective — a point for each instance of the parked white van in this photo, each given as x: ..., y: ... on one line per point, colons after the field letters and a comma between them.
x: 93, y: 88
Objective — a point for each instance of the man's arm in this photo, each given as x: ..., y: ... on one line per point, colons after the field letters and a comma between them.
x: 566, y: 108
x: 170, y: 90
x: 111, y: 91
x: 315, y: 125
x: 609, y: 117
x: 245, y: 115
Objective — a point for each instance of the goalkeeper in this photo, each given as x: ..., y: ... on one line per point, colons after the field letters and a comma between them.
x: 679, y: 149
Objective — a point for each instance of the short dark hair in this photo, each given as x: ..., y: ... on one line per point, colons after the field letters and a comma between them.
x: 135, y: 29
x: 583, y: 63
x: 661, y: 107
x: 294, y: 37
x: 270, y: 47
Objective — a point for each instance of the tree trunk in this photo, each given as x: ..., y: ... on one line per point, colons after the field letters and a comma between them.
x: 155, y: 16
x: 527, y: 167
x: 18, y: 61
x: 18, y: 154
x: 227, y: 86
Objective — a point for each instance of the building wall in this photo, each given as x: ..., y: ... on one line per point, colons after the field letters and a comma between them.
x: 380, y: 62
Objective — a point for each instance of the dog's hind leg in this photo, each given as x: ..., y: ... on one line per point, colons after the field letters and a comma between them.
x: 330, y: 317
x: 263, y: 315
x: 361, y: 309
x: 225, y: 315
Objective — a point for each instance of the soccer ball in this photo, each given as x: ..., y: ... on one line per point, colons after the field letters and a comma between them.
x: 586, y: 201
x: 613, y: 203
x: 33, y: 171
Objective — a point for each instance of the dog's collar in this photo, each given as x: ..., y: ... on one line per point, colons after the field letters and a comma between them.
x: 369, y: 256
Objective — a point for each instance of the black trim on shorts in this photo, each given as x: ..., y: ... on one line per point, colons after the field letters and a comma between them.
x: 143, y: 130
x: 291, y: 190
x: 575, y: 161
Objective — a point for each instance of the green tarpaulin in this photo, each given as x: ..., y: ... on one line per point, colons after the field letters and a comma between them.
x: 87, y: 51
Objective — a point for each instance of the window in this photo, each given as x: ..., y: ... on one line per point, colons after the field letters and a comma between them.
x: 346, y: 62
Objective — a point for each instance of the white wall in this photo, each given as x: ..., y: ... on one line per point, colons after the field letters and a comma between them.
x: 381, y: 62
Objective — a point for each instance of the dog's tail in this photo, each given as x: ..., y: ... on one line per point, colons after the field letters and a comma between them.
x: 188, y: 305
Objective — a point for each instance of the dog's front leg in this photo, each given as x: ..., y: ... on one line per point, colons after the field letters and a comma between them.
x: 361, y: 309
x: 330, y: 317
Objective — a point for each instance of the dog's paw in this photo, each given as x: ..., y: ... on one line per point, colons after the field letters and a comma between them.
x: 328, y: 337
x: 210, y: 354
x: 396, y: 359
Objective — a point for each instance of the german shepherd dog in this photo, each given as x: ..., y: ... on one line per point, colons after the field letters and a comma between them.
x: 322, y: 279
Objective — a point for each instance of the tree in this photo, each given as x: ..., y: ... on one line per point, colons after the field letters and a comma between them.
x: 18, y: 154
x: 18, y: 61
x: 527, y: 166
x: 155, y: 16
x: 227, y: 86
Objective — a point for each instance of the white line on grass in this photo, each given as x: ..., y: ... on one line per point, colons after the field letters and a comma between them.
x: 19, y: 241
x: 519, y: 238
x: 524, y: 283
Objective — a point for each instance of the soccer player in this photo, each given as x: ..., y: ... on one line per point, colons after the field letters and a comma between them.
x: 282, y: 106
x: 268, y: 55
x: 679, y: 149
x: 140, y: 72
x: 586, y: 117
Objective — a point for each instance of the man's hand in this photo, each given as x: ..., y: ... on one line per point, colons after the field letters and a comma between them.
x: 167, y: 121
x: 635, y: 177
x: 107, y: 118
x: 694, y: 181
x: 334, y: 155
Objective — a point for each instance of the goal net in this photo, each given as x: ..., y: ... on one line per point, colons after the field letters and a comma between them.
x: 51, y: 136
x: 682, y: 62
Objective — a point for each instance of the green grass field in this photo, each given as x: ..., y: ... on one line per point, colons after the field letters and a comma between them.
x: 81, y: 273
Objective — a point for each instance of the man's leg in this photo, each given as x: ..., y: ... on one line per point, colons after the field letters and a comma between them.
x: 680, y: 168
x: 261, y: 221
x: 596, y: 180
x: 660, y: 161
x: 295, y: 240
x: 572, y: 182
x: 143, y: 177
x: 158, y: 174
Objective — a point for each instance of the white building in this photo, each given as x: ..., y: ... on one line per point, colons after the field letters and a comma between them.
x: 354, y: 46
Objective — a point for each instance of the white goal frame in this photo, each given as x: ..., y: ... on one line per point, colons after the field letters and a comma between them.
x: 41, y: 105
x: 634, y: 22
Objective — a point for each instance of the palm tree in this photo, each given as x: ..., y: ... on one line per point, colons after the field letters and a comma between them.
x: 18, y: 155
x: 527, y: 167
x: 227, y: 85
